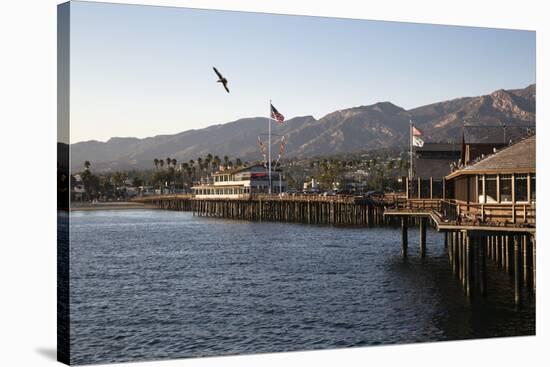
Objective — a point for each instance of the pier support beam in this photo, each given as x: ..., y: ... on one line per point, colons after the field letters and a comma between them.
x: 463, y: 237
x: 460, y: 256
x: 534, y: 243
x: 526, y: 254
x: 482, y: 268
x: 507, y: 252
x: 404, y: 236
x: 517, y: 280
x: 455, y: 252
x: 423, y: 224
x: 469, y: 264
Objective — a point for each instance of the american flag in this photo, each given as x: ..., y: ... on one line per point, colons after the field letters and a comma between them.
x: 276, y: 115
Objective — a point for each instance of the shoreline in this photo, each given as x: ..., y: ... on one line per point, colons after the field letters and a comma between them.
x: 122, y: 205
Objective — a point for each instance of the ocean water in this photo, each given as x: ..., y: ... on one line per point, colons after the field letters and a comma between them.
x: 151, y: 284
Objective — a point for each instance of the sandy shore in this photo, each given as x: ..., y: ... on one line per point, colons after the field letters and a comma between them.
x: 117, y: 205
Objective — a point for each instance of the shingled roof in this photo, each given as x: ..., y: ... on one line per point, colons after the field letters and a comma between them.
x: 517, y: 158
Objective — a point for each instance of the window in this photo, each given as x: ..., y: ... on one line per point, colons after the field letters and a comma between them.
x: 481, y: 199
x: 521, y: 188
x: 491, y: 188
x: 505, y: 188
x: 533, y: 187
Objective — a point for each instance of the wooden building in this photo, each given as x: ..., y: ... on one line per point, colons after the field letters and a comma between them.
x: 434, y: 161
x: 503, y: 180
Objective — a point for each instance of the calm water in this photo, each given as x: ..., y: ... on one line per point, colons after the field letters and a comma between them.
x: 159, y: 284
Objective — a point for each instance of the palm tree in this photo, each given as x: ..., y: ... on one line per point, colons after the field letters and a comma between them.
x: 168, y: 161
x: 87, y: 165
x: 174, y: 162
x: 216, y: 162
x: 156, y: 161
x: 225, y: 160
x: 238, y: 162
x: 161, y: 162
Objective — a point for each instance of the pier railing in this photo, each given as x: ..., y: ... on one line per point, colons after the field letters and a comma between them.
x: 492, y: 213
x: 460, y: 212
x: 405, y: 204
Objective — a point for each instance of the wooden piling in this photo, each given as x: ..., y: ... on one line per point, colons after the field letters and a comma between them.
x: 482, y: 270
x: 456, y: 253
x: 517, y: 280
x: 533, y: 242
x: 423, y: 222
x: 404, y: 236
x: 526, y: 263
x: 469, y: 265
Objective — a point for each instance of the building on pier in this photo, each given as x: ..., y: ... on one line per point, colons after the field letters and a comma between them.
x: 501, y: 180
x: 434, y: 161
x: 241, y: 183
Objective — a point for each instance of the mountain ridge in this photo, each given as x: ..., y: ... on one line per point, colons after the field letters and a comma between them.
x: 360, y: 128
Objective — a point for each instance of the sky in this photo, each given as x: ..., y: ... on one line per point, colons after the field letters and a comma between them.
x: 140, y: 71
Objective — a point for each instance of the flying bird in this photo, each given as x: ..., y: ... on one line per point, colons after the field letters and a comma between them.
x: 221, y: 79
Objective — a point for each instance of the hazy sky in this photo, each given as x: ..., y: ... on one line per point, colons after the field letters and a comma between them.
x: 144, y: 70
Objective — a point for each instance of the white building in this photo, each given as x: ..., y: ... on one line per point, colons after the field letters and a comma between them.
x: 241, y: 183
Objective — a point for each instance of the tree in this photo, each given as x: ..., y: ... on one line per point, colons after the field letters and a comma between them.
x: 156, y: 161
x: 208, y: 161
x: 136, y: 182
x: 216, y: 161
x: 238, y: 162
x: 87, y: 165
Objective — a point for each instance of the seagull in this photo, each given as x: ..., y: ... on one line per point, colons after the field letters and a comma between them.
x: 221, y: 79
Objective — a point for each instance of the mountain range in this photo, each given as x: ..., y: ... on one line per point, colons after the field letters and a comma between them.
x: 380, y: 125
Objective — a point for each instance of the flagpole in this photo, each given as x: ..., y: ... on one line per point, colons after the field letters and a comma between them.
x: 411, y: 151
x: 269, y: 146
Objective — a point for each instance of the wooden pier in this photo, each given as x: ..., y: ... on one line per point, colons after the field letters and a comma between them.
x: 473, y: 237
x: 331, y: 210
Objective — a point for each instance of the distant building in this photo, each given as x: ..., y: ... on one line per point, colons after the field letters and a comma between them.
x: 240, y: 183
x: 435, y: 159
x: 480, y: 141
x: 311, y: 185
